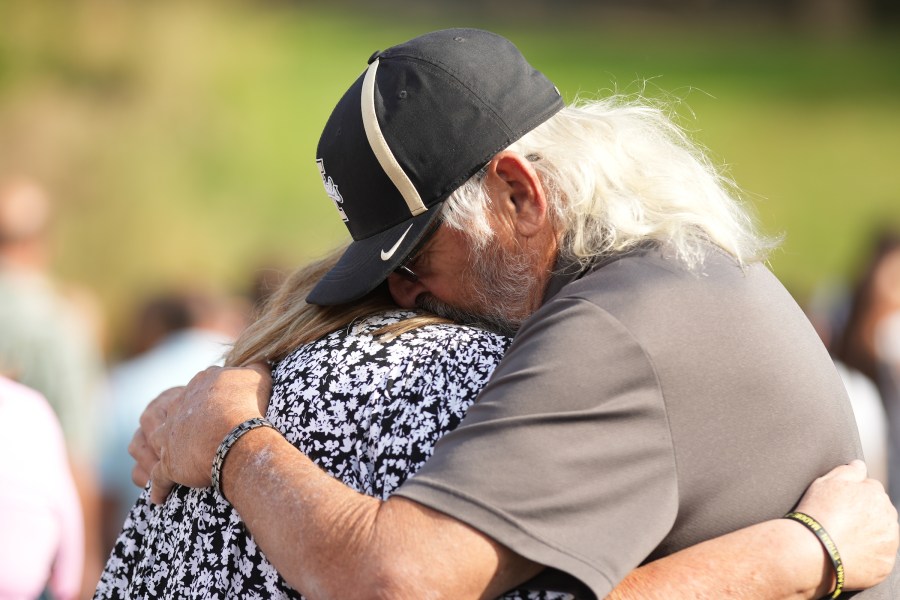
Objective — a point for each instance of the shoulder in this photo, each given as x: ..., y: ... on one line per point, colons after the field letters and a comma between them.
x: 651, y: 283
x: 455, y: 352
x: 424, y: 339
x: 428, y: 347
x: 450, y: 337
x: 660, y: 266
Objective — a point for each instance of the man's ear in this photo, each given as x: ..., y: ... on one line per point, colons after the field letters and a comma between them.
x: 517, y: 193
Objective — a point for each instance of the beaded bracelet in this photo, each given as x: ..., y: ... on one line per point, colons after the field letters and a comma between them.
x: 229, y: 441
x: 828, y: 543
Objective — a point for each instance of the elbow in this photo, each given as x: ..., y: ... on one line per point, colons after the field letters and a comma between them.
x: 363, y: 576
x: 358, y: 586
x: 395, y: 576
x: 387, y: 576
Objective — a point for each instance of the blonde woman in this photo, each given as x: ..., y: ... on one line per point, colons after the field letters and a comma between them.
x: 365, y: 390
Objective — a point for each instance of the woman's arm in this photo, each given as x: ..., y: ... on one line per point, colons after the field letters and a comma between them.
x: 770, y: 559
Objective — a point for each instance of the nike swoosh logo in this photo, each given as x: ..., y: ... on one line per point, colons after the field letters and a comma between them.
x: 387, y: 255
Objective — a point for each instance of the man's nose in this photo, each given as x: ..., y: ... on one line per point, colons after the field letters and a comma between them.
x: 403, y: 291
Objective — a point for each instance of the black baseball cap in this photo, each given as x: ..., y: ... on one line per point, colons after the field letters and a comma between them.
x: 423, y: 118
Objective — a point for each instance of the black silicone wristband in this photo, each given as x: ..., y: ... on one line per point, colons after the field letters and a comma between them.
x: 828, y: 544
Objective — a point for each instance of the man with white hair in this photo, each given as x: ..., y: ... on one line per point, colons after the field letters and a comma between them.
x: 663, y: 388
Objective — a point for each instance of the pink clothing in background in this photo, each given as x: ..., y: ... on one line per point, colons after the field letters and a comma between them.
x: 41, y: 528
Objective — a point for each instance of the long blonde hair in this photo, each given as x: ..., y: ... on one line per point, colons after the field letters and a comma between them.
x: 288, y: 321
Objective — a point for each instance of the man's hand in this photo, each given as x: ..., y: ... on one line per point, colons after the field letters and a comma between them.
x: 195, y: 421
x: 861, y: 520
x: 140, y: 449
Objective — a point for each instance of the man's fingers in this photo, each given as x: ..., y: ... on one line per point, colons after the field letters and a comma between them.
x: 155, y: 441
x: 141, y: 448
x: 139, y: 476
x: 160, y: 486
x: 160, y: 482
x: 144, y: 457
x: 138, y: 444
x: 859, y: 469
x: 262, y: 400
x: 261, y: 368
x: 857, y: 461
x: 155, y: 413
x: 855, y: 470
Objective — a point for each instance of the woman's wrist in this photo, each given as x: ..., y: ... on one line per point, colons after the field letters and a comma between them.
x: 801, y: 560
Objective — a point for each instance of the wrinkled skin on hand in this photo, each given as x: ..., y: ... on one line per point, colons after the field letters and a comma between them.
x: 141, y: 451
x: 182, y: 428
x: 861, y: 520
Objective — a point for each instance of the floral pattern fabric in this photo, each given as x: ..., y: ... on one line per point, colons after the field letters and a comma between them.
x: 366, y: 409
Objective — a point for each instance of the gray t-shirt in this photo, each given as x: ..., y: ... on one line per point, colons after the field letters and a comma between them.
x: 643, y: 409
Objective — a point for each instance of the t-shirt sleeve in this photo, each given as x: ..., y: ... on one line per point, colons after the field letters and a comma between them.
x: 566, y: 457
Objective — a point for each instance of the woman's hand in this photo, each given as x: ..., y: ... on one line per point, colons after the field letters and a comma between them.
x: 860, y: 518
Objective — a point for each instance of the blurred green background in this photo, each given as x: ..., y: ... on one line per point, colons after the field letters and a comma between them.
x: 178, y: 138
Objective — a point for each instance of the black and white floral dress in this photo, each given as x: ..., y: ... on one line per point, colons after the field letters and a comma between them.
x: 366, y: 410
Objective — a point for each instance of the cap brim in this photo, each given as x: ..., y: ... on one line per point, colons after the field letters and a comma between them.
x: 367, y: 263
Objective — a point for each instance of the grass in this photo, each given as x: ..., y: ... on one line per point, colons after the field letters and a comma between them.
x: 179, y: 138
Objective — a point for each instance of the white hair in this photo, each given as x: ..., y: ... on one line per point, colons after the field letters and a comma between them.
x: 619, y: 173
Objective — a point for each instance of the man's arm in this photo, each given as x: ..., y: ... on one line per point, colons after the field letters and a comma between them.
x: 315, y: 530
x: 393, y: 549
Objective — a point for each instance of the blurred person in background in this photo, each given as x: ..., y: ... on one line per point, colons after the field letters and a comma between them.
x: 49, y: 344
x: 827, y: 309
x: 174, y: 335
x: 41, y: 527
x: 869, y: 342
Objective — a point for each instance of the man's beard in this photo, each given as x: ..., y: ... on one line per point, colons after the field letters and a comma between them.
x: 503, y: 286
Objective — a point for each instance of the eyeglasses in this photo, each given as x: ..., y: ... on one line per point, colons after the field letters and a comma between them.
x: 404, y: 269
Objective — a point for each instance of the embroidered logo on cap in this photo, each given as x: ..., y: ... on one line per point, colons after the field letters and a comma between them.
x: 387, y: 255
x: 332, y: 190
